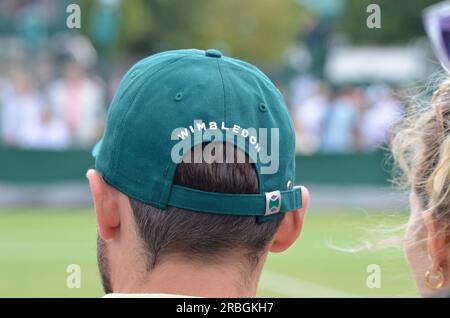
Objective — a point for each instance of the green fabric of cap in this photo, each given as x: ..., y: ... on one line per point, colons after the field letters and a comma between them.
x: 165, y: 95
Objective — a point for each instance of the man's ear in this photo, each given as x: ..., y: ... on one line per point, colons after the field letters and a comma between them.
x: 437, y: 244
x: 106, y: 206
x: 291, y: 226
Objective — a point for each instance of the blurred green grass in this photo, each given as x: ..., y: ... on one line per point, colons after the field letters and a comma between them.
x: 37, y: 245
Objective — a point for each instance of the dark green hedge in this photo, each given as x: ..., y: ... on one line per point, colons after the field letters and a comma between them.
x: 53, y: 166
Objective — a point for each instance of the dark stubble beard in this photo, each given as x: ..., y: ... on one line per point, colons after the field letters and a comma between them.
x: 103, y: 265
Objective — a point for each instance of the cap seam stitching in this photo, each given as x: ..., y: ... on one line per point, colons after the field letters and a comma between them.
x: 138, y: 92
x: 224, y: 95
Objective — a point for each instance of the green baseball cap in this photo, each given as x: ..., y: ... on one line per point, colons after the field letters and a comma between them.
x: 168, y: 103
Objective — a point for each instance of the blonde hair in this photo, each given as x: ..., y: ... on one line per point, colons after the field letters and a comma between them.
x: 421, y: 149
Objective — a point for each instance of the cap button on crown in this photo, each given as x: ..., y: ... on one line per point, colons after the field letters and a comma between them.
x: 213, y: 53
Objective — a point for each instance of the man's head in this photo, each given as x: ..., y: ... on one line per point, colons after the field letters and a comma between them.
x: 201, y: 225
x: 136, y: 238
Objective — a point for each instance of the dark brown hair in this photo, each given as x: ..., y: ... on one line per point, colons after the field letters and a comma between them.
x: 203, y: 237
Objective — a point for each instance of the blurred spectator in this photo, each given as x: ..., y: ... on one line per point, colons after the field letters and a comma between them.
x: 21, y: 109
x: 78, y: 100
x: 309, y: 115
x: 52, y: 132
x: 340, y: 122
x: 377, y: 121
x: 25, y: 123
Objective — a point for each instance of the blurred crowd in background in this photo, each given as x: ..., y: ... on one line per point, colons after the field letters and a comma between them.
x: 65, y: 111
x: 56, y: 84
x: 57, y: 111
x: 345, y: 119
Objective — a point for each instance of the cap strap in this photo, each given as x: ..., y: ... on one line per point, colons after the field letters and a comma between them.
x: 264, y: 204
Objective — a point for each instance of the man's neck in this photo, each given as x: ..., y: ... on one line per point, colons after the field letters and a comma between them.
x: 182, y: 278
